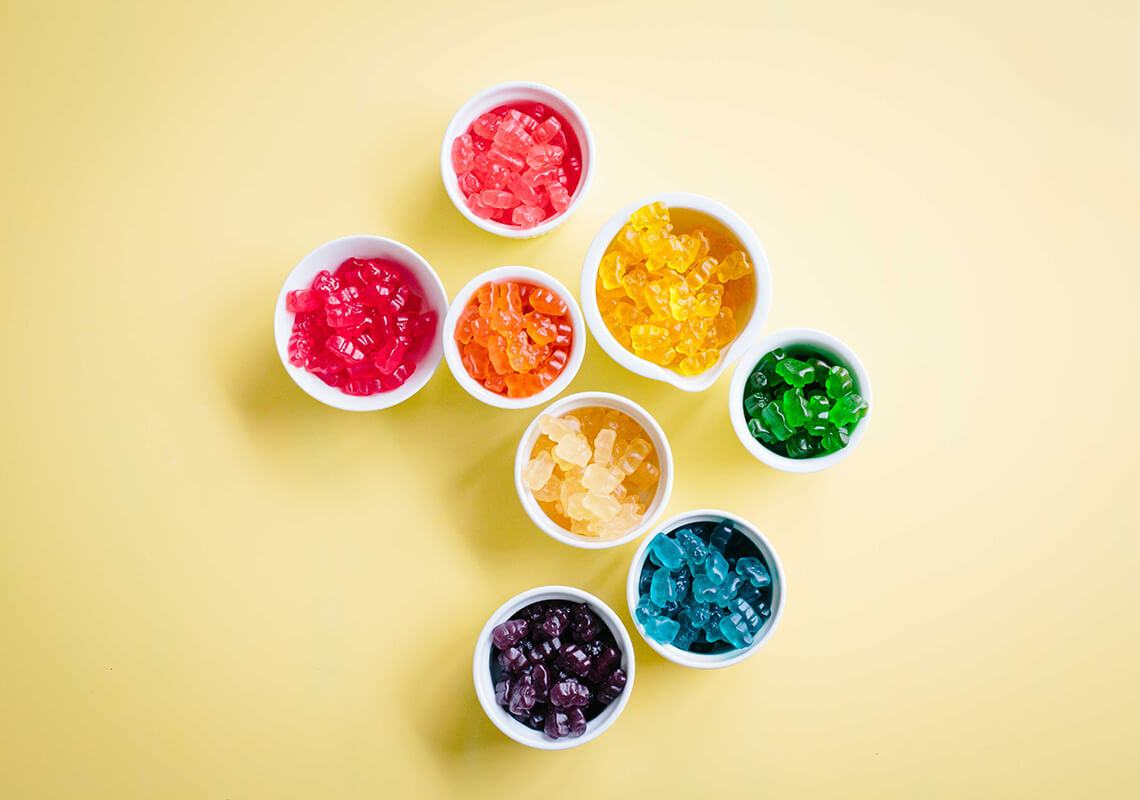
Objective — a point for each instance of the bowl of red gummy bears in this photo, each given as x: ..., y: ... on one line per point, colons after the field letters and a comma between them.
x: 553, y: 667
x: 357, y: 323
x: 517, y: 159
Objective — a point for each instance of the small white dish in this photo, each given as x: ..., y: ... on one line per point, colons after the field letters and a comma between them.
x: 746, y: 333
x: 485, y: 686
x: 502, y: 94
x: 827, y: 345
x: 329, y: 256
x: 455, y: 361
x: 652, y: 429
x: 779, y: 590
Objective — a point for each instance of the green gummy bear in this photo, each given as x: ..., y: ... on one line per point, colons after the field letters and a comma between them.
x: 758, y: 381
x: 834, y: 440
x: 754, y: 404
x: 760, y: 433
x: 794, y: 405
x: 770, y: 360
x: 817, y: 409
x: 822, y: 368
x: 847, y: 410
x: 773, y: 419
x: 839, y: 383
x: 797, y: 373
x: 803, y: 445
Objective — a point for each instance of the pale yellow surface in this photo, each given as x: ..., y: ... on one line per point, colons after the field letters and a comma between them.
x: 212, y: 586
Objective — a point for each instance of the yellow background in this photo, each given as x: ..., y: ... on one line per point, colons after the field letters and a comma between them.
x: 212, y: 586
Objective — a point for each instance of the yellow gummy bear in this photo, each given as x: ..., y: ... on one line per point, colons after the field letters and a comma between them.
x: 612, y: 269
x: 735, y: 265
x: 698, y: 362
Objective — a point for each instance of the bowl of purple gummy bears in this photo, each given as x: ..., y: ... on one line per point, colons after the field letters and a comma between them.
x: 553, y: 667
x: 707, y: 590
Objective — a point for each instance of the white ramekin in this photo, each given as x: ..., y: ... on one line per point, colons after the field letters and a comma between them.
x: 451, y: 348
x: 485, y: 687
x: 790, y: 337
x: 502, y: 94
x: 745, y: 334
x: 329, y: 256
x: 709, y: 660
x: 652, y: 429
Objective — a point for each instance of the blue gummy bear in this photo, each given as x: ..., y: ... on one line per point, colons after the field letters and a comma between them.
x: 666, y: 552
x: 704, y: 590
x: 751, y: 595
x: 682, y: 579
x: 712, y: 625
x: 754, y: 570
x: 671, y: 609
x: 662, y: 629
x: 735, y: 631
x: 716, y: 567
x: 645, y: 579
x: 687, y: 631
x: 645, y: 610
x: 727, y: 590
x: 720, y: 535
x: 747, y: 613
x: 662, y: 589
x: 696, y: 551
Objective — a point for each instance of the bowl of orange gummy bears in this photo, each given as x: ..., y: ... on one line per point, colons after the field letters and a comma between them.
x: 594, y: 470
x: 675, y: 287
x: 514, y: 337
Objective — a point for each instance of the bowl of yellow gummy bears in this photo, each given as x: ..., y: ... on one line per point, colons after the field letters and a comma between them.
x: 675, y: 287
x: 594, y: 470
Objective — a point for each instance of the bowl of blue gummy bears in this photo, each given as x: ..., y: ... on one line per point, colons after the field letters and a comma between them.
x: 707, y: 590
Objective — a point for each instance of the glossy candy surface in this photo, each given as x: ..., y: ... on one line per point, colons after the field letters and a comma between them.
x: 593, y: 471
x: 361, y: 328
x: 704, y: 588
x: 555, y: 682
x: 801, y: 404
x: 673, y: 298
x: 518, y: 164
x: 514, y: 338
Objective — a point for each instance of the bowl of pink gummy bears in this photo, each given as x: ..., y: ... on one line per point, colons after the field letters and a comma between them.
x: 517, y: 159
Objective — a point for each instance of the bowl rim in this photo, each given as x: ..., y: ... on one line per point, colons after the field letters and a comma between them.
x: 301, y: 277
x: 485, y: 688
x: 664, y: 458
x: 790, y: 337
x: 762, y: 275
x: 709, y: 660
x: 477, y: 104
x: 451, y: 349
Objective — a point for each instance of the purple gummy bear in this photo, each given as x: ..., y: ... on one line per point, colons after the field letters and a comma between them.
x: 502, y: 690
x: 569, y: 694
x: 509, y: 633
x: 573, y: 658
x: 557, y: 616
x: 512, y: 659
x: 603, y: 663
x: 545, y: 650
x: 557, y: 724
x: 583, y: 625
x: 577, y: 721
x: 522, y: 696
x: 609, y: 691
x: 541, y: 676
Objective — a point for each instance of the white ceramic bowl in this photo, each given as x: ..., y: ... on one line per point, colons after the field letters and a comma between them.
x: 485, y: 687
x: 745, y: 334
x: 329, y: 256
x: 517, y: 92
x: 779, y: 591
x: 828, y: 345
x: 652, y: 429
x: 451, y: 349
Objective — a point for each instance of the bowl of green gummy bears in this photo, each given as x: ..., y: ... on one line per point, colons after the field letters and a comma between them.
x: 800, y: 400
